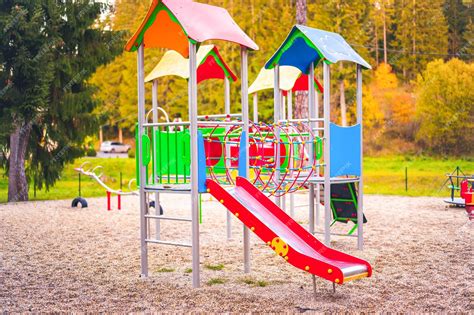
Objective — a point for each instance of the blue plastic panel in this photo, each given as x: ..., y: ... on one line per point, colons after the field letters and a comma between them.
x: 242, y: 154
x: 345, y: 151
x: 299, y: 55
x: 201, y: 164
x: 331, y: 46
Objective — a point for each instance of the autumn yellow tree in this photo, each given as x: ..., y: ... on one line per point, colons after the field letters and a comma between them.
x: 445, y: 107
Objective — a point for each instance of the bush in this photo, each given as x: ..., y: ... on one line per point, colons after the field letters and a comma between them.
x: 91, y: 152
x: 445, y: 107
x: 131, y: 153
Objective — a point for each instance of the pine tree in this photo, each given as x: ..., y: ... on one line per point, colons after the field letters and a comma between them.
x: 49, y: 49
x: 457, y: 15
x: 381, y: 22
x: 467, y: 51
x: 420, y: 35
x: 350, y: 19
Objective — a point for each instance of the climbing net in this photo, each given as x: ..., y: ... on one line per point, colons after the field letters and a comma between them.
x: 282, y: 156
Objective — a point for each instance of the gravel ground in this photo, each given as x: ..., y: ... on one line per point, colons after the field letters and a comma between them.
x: 55, y: 258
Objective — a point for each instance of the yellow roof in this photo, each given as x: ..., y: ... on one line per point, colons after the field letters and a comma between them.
x: 173, y: 63
x: 264, y: 80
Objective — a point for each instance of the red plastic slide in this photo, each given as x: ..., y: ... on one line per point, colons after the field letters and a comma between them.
x: 285, y: 236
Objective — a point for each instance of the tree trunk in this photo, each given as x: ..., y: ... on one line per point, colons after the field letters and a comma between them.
x: 342, y: 99
x: 414, y: 39
x: 120, y: 135
x: 376, y: 45
x: 301, y: 97
x: 17, y: 183
x: 101, y: 136
x: 385, y: 55
x: 301, y: 10
x: 301, y: 105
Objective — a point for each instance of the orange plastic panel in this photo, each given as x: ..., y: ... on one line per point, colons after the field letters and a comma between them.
x: 165, y: 33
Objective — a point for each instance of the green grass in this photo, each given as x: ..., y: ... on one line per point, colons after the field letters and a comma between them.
x: 215, y: 281
x: 214, y: 267
x: 386, y: 175
x: 254, y: 282
x: 188, y: 270
x: 67, y: 186
x: 164, y: 269
x: 383, y: 175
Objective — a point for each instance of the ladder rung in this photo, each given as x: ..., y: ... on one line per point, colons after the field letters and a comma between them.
x: 168, y: 243
x: 161, y: 217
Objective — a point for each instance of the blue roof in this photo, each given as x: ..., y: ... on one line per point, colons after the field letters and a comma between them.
x: 304, y: 45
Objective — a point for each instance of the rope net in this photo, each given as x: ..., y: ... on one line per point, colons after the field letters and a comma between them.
x: 282, y: 156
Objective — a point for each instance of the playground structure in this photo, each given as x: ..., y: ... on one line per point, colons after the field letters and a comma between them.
x: 92, y: 172
x: 458, y: 181
x: 273, y: 159
x: 343, y: 195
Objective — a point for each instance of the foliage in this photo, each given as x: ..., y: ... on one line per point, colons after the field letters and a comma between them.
x: 445, y: 107
x: 420, y: 35
x: 467, y: 51
x: 388, y: 112
x: 351, y: 20
x: 457, y: 15
x: 91, y: 152
x: 48, y: 51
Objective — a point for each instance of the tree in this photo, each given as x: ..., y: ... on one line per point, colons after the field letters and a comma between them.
x: 444, y: 107
x: 48, y: 50
x: 381, y: 18
x: 456, y: 14
x: 467, y: 51
x: 420, y: 35
x: 301, y: 97
x: 350, y: 19
x: 388, y: 111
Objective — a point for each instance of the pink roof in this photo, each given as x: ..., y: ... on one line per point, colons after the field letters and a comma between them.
x: 198, y: 21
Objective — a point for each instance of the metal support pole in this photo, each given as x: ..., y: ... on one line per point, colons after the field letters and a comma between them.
x: 255, y: 107
x: 290, y: 116
x: 154, y: 101
x: 314, y: 287
x: 311, y: 115
x: 317, y: 214
x: 318, y: 186
x: 290, y: 105
x: 245, y: 119
x: 79, y: 184
x: 311, y: 209
x: 227, y: 95
x: 193, y: 130
x: 283, y: 106
x: 227, y: 149
x: 360, y: 203
x: 327, y: 143
x: 292, y: 205
x: 276, y: 118
x: 283, y: 116
x: 142, y: 171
